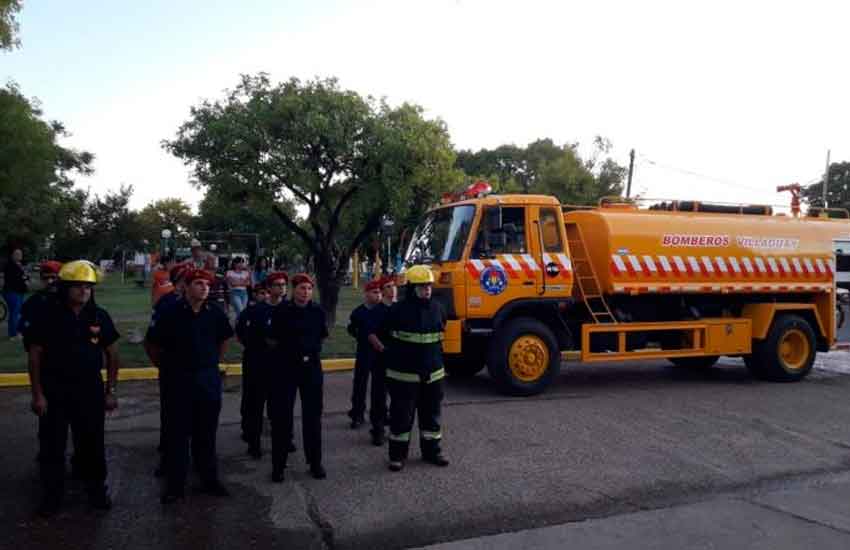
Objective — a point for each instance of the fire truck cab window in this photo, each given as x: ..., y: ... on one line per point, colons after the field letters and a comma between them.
x: 551, y: 233
x: 508, y: 238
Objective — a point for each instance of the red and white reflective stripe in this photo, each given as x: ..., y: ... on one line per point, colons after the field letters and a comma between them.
x: 810, y: 268
x: 617, y: 264
x: 762, y: 269
x: 650, y: 265
x: 785, y: 266
x: 721, y: 265
x: 665, y: 265
x: 529, y: 265
x: 821, y: 266
x: 706, y: 262
x: 733, y: 262
x: 693, y: 266
x: 774, y: 267
x: 512, y: 264
x: 475, y: 267
x: 680, y: 265
x: 634, y: 265
x: 830, y: 266
x: 748, y: 265
x: 798, y: 268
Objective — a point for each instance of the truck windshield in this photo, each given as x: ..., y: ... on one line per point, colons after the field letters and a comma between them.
x: 441, y: 236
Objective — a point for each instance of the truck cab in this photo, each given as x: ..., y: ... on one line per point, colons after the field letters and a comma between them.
x: 496, y: 258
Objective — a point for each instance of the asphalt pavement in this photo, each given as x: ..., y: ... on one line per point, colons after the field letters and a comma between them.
x: 650, y: 454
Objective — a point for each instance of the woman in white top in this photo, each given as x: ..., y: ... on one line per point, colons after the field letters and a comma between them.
x: 238, y: 279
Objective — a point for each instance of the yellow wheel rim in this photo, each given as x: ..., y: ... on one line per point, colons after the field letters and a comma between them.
x: 794, y: 349
x: 528, y: 358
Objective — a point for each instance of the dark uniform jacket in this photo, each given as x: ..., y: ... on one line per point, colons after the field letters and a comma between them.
x: 299, y: 332
x: 413, y: 329
x: 361, y: 323
x: 73, y: 344
x: 251, y: 328
x: 190, y: 344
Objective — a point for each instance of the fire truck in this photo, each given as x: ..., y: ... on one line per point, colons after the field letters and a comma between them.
x: 527, y: 281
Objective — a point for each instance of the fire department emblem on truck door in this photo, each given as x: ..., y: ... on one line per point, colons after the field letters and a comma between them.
x: 493, y: 280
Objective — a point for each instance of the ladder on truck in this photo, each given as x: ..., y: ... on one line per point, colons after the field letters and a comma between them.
x: 587, y: 284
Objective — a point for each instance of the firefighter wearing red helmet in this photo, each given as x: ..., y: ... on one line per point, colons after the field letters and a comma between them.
x: 297, y: 330
x: 413, y: 332
x: 186, y: 343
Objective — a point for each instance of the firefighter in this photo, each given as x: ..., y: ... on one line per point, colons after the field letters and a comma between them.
x: 186, y: 343
x: 378, y: 406
x: 175, y: 275
x: 250, y: 329
x: 68, y: 341
x: 278, y: 284
x: 413, y: 329
x: 359, y: 324
x: 297, y: 330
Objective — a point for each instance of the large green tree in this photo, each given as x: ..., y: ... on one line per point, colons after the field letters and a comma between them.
x: 9, y: 10
x: 837, y: 190
x: 170, y: 213
x: 37, y: 198
x: 345, y: 161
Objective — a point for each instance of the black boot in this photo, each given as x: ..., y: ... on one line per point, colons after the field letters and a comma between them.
x: 378, y: 437
x: 437, y: 460
x: 99, y: 498
x: 215, y: 488
x: 172, y: 495
x: 255, y: 452
x: 318, y: 471
x: 50, y: 505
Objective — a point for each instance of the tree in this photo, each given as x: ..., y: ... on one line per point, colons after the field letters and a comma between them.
x: 37, y: 198
x: 547, y: 168
x: 837, y: 191
x: 224, y: 210
x: 104, y: 227
x: 344, y: 159
x: 171, y: 213
x: 8, y: 25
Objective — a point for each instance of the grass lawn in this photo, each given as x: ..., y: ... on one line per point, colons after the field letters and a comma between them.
x: 129, y: 307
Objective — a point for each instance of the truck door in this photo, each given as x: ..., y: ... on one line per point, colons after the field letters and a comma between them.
x: 501, y: 267
x: 550, y: 250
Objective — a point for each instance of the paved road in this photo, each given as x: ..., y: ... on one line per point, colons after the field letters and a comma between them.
x: 605, y: 442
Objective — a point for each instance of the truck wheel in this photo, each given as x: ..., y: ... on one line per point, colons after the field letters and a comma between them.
x: 463, y: 366
x: 788, y: 352
x: 524, y: 357
x: 703, y: 362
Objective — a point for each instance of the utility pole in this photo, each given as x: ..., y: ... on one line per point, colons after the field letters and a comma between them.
x: 826, y: 179
x: 631, y: 171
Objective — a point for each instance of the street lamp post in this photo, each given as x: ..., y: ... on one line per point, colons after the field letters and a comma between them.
x: 166, y: 234
x: 388, y: 223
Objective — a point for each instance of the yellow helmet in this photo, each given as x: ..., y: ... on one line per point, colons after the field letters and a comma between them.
x: 79, y: 271
x: 420, y: 275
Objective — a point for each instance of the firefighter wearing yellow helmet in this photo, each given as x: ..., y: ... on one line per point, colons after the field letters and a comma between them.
x: 70, y: 341
x: 414, y: 329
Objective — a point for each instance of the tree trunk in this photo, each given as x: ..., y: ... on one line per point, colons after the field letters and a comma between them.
x: 329, y: 285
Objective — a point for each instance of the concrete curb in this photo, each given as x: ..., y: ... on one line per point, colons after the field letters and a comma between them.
x: 19, y: 379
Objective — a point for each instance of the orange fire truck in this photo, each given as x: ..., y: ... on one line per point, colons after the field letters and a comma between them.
x: 526, y: 280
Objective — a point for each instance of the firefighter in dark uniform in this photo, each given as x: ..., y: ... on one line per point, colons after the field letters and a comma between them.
x: 175, y: 275
x: 68, y: 342
x: 413, y: 329
x: 251, y: 332
x: 359, y: 324
x: 296, y: 330
x: 49, y: 274
x: 378, y: 406
x: 278, y: 283
x: 186, y: 343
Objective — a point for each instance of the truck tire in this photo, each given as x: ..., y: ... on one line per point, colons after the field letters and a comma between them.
x: 703, y: 362
x: 788, y: 352
x: 463, y: 366
x: 524, y: 357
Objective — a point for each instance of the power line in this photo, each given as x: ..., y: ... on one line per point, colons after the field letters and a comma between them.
x: 721, y: 181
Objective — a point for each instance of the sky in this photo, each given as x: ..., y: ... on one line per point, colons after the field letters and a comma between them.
x: 721, y: 100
